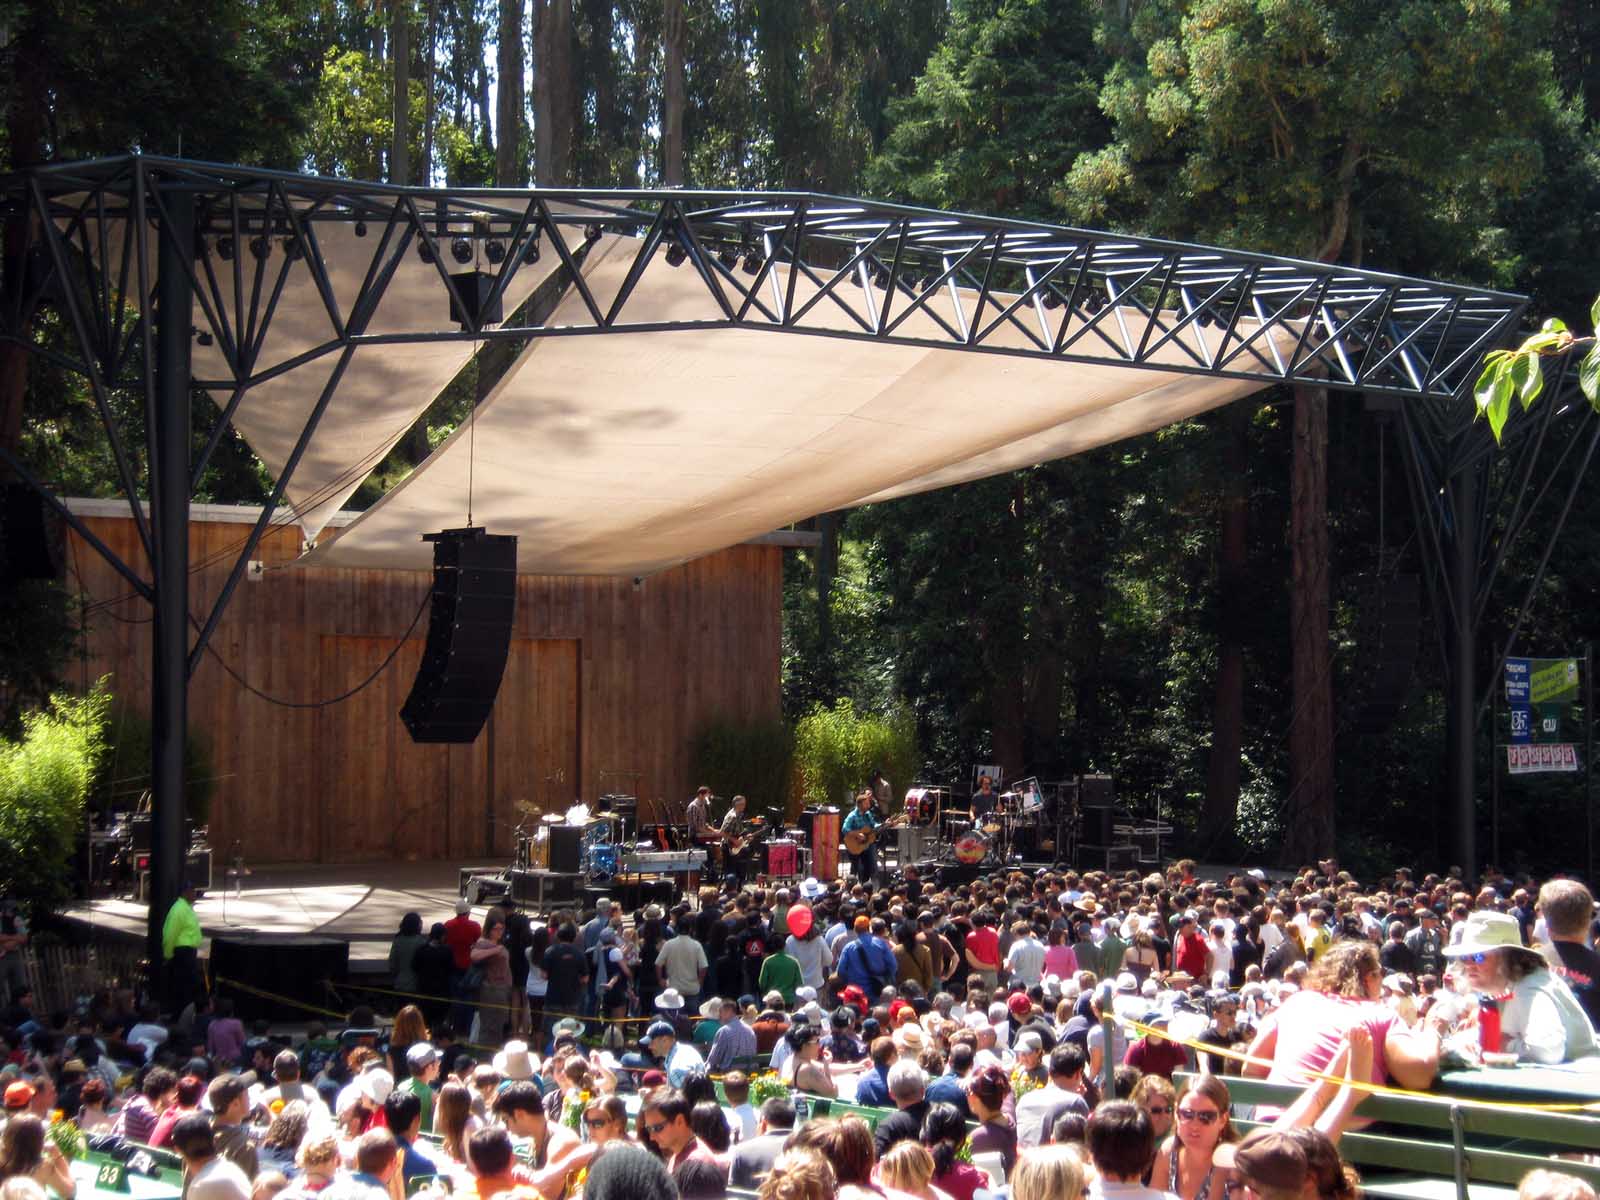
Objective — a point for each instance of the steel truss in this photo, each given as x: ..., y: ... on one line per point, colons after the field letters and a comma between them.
x: 142, y: 256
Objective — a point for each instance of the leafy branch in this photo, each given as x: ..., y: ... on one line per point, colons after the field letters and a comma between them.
x: 1509, y: 374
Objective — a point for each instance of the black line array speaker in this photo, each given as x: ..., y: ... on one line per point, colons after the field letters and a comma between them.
x: 469, y: 635
x: 1096, y: 790
x: 32, y: 542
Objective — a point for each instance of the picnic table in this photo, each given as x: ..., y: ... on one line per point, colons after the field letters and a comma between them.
x: 86, y: 1172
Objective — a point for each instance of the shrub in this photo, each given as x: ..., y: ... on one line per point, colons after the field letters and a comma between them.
x: 749, y: 757
x: 838, y: 748
x: 123, y: 774
x: 44, y: 780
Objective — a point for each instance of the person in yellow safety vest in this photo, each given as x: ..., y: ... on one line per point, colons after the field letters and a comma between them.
x: 180, y: 950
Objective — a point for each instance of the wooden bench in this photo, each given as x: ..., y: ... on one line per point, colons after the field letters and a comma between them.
x: 1440, y: 1148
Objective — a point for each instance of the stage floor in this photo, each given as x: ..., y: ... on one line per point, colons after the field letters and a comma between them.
x: 361, y: 903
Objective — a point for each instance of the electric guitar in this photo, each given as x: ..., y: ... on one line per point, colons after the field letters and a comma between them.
x: 739, y: 845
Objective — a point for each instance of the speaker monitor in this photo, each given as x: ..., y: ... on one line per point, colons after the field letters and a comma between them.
x: 474, y: 303
x: 1096, y: 790
x: 469, y: 635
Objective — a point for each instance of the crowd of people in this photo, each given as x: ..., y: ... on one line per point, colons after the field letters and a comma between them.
x: 677, y: 1053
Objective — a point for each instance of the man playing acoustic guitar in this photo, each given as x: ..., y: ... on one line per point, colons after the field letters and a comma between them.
x: 863, y: 846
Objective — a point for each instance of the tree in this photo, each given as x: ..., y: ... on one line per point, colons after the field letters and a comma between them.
x: 510, y: 154
x: 1277, y: 124
x: 673, y: 39
x: 555, y: 107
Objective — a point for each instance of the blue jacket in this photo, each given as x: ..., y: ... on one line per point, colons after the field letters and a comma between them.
x: 868, y: 963
x: 873, y: 1089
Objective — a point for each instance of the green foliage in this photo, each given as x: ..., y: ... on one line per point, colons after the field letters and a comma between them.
x: 122, y: 773
x: 836, y: 750
x: 1519, y: 373
x: 1007, y: 102
x: 44, y: 781
x: 752, y: 758
x: 68, y: 1139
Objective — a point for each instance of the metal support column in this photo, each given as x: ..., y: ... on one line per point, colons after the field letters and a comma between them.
x: 1462, y: 701
x: 169, y: 502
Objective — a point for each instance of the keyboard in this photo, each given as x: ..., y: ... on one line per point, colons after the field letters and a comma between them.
x: 660, y: 861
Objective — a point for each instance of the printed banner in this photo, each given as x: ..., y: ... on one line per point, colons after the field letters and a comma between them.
x: 1529, y: 759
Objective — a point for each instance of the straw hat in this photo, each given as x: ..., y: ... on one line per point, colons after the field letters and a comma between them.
x: 1485, y: 931
x: 671, y: 998
x: 514, y: 1062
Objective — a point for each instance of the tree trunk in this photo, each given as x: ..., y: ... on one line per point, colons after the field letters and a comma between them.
x: 509, y: 166
x: 673, y: 101
x: 25, y: 135
x: 430, y: 44
x: 1309, y: 812
x: 400, y: 61
x: 1221, y: 811
x: 554, y: 105
x: 827, y: 572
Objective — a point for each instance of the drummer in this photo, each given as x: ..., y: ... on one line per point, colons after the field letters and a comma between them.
x: 983, y: 800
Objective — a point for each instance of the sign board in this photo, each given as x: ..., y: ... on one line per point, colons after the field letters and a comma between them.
x: 1525, y: 758
x: 111, y: 1177
x: 1541, y: 680
x: 1521, y: 723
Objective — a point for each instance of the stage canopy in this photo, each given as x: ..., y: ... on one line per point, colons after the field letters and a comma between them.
x: 690, y: 369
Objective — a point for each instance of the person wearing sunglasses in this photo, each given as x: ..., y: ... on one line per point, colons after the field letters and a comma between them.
x: 1541, y: 1020
x: 605, y: 1119
x: 698, y: 1173
x: 1156, y: 1095
x: 1186, y: 1163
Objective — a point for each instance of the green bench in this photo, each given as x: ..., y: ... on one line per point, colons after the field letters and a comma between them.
x: 1442, y: 1148
x: 827, y: 1106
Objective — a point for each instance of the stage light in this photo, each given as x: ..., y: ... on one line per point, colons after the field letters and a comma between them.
x: 675, y: 255
x: 909, y: 281
x: 530, y: 248
x: 225, y: 249
x: 494, y: 250
x: 592, y: 232
x: 291, y: 248
x: 203, y: 338
x: 752, y: 262
x: 260, y: 246
x: 361, y: 229
x: 728, y: 257
x: 424, y: 251
x: 1051, y: 298
x: 1093, y: 303
x: 461, y: 250
x: 1205, y: 319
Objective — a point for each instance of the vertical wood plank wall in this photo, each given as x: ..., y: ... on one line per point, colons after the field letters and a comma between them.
x: 602, y: 677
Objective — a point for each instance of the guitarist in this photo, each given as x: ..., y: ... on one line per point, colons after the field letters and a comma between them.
x: 735, y: 845
x: 863, y: 818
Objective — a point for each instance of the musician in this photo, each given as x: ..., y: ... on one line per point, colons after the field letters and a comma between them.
x: 882, y: 793
x: 983, y: 800
x: 701, y: 830
x: 865, y: 863
x: 732, y: 829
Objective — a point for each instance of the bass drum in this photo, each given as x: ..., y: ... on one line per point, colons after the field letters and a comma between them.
x: 971, y: 847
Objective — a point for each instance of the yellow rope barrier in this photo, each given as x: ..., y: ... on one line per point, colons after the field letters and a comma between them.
x: 364, y: 987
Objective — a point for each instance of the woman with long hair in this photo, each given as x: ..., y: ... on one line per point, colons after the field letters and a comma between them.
x: 409, y: 1029
x: 490, y: 955
x: 1060, y: 959
x: 537, y: 986
x: 1184, y: 1163
x: 846, y: 1144
x: 986, y: 1097
x: 453, y: 1119
x: 907, y: 1167
x: 799, y: 1175
x: 403, y: 950
x: 605, y: 1119
x: 1140, y: 958
x: 281, y: 1145
x: 1343, y: 990
x: 25, y: 1152
x: 1156, y: 1095
x: 944, y: 1132
x: 92, y: 1115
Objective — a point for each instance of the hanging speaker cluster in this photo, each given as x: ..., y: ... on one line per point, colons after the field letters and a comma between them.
x: 32, y: 541
x: 469, y: 635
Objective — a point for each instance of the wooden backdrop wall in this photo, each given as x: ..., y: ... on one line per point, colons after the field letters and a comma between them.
x: 604, y: 680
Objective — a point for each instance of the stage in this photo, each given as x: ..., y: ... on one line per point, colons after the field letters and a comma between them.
x: 360, y: 903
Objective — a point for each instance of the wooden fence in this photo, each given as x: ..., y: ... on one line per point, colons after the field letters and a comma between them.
x: 61, y: 976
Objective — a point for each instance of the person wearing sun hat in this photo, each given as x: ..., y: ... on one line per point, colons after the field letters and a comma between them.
x: 1541, y: 1020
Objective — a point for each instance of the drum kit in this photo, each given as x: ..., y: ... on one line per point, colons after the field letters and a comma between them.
x: 996, y: 836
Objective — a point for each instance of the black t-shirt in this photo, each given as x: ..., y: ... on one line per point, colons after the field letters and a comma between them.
x: 1397, y: 958
x: 1580, y: 967
x: 564, y: 963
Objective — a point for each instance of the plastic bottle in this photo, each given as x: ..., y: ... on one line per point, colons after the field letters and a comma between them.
x: 1489, y: 1024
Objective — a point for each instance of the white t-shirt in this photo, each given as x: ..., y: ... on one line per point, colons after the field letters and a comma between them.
x: 1026, y: 960
x: 813, y: 956
x: 219, y: 1179
x: 682, y: 958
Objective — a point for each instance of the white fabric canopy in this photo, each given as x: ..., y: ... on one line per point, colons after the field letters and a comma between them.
x: 624, y: 453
